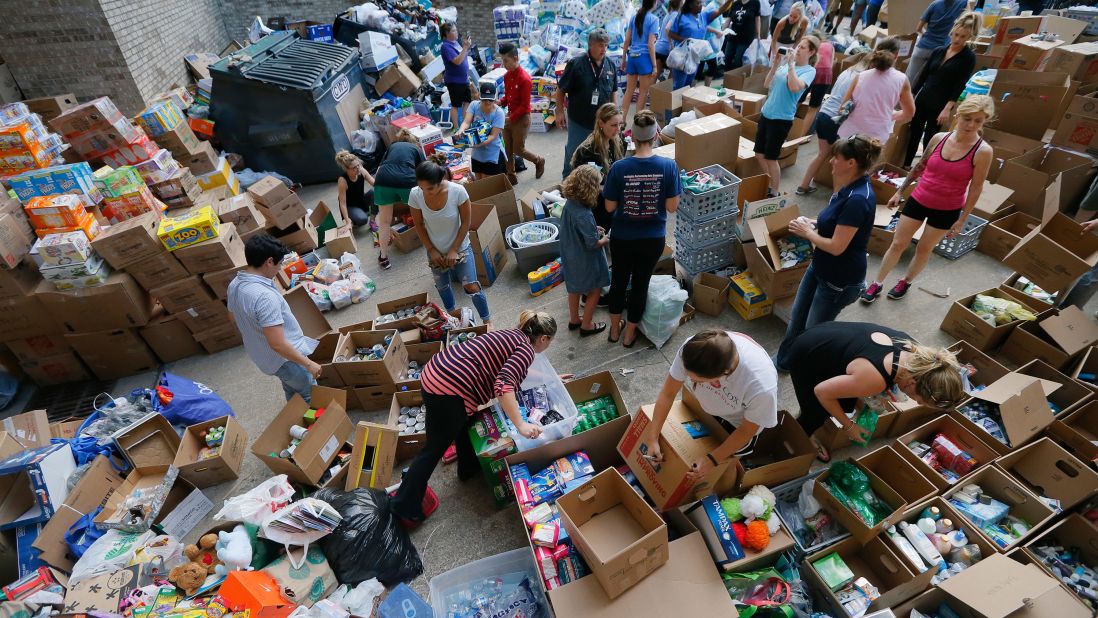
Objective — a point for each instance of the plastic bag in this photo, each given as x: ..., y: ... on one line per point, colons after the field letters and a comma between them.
x: 111, y: 552
x: 669, y: 130
x: 359, y: 600
x: 340, y: 294
x: 185, y: 402
x: 807, y: 504
x: 850, y: 485
x: 82, y: 534
x: 661, y: 316
x: 163, y: 551
x: 318, y: 292
x: 758, y: 53
x: 1000, y: 310
x: 542, y: 374
x: 369, y: 542
x: 866, y: 418
x: 327, y: 271
x: 365, y: 140
x: 255, y: 506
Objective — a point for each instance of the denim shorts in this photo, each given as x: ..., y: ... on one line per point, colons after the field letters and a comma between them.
x: 641, y: 64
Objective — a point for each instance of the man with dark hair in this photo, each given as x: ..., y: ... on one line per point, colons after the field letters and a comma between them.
x: 587, y: 82
x: 517, y: 88
x: 272, y: 336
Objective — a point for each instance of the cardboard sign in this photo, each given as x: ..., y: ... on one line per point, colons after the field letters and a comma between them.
x: 101, y: 593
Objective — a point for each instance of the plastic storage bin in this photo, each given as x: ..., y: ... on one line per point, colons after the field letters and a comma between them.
x: 532, y: 258
x: 706, y: 257
x: 711, y: 204
x: 964, y: 242
x: 452, y: 589
x: 700, y: 234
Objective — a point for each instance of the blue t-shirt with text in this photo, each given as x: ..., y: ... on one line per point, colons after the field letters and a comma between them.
x: 641, y: 187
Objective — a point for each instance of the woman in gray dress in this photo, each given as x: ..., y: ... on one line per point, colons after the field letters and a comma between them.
x: 581, y: 248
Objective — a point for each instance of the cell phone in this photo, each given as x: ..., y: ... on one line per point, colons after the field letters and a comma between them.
x: 783, y: 51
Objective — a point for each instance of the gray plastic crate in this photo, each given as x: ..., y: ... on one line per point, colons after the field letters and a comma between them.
x: 787, y: 493
x: 964, y: 242
x: 530, y: 259
x: 698, y: 234
x: 707, y: 257
x: 711, y: 204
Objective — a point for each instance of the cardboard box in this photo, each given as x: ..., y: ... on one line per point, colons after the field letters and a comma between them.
x: 201, y: 160
x: 29, y: 430
x: 858, y: 529
x: 34, y: 348
x: 1001, y: 236
x: 1070, y: 393
x: 947, y: 511
x: 340, y: 240
x: 710, y: 293
x: 782, y: 453
x: 1029, y: 175
x: 486, y: 238
x: 1007, y: 146
x: 1058, y: 337
x: 877, y: 562
x: 371, y: 372
x: 832, y: 436
x: 711, y: 521
x: 620, y: 537
x: 1029, y: 52
x: 314, y: 454
x: 19, y: 282
x: 203, y: 317
x: 666, y: 483
x: 34, y: 484
x: 90, y: 492
x: 219, y: 281
x: 1023, y: 503
x: 222, y: 467
x: 301, y: 236
x: 704, y: 142
x: 777, y: 283
x: 240, y: 210
x: 56, y: 369
x: 25, y: 316
x: 130, y: 241
x: 1079, y: 60
x: 51, y: 107
x: 269, y: 190
x: 408, y: 445
x: 149, y: 441
x: 283, y: 213
x: 169, y: 339
x: 963, y: 323
x: 1048, y: 470
x: 223, y: 337
x: 400, y: 304
x: 1033, y: 104
x: 1056, y: 254
x: 398, y: 80
x: 113, y: 354
x: 373, y: 456
x: 220, y: 253
x: 257, y: 593
x: 1087, y: 364
x: 1022, y: 406
x: 181, y: 295
x: 899, y: 474
x: 157, y: 270
x: 497, y: 191
x: 1079, y: 128
x: 665, y: 101
x: 1073, y: 531
x: 118, y: 303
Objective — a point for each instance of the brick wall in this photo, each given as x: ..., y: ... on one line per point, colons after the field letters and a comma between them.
x: 154, y: 35
x: 475, y: 18
x: 58, y: 47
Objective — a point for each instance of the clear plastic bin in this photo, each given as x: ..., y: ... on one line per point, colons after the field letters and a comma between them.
x: 455, y: 585
x: 787, y: 494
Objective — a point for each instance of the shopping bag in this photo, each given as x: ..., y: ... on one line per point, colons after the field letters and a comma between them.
x: 186, y: 402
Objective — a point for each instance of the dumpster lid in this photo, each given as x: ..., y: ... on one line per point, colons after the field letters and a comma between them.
x: 289, y: 61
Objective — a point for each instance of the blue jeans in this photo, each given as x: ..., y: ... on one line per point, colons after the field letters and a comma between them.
x: 576, y: 134
x: 464, y: 273
x: 817, y: 302
x: 733, y: 54
x: 296, y: 380
x: 1083, y: 289
x: 682, y: 79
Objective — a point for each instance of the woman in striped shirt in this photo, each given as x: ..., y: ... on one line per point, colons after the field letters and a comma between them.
x: 460, y: 380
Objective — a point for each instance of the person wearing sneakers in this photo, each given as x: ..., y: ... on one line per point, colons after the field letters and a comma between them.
x: 827, y: 131
x: 488, y: 156
x: 394, y: 182
x: 833, y: 364
x: 458, y: 381
x: 734, y: 380
x: 836, y: 274
x: 517, y: 88
x: 791, y: 71
x: 951, y: 175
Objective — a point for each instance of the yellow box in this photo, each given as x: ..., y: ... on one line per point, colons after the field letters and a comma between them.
x: 192, y: 228
x: 221, y: 176
x: 747, y: 299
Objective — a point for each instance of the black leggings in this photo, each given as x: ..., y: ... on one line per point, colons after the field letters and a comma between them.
x: 923, y: 127
x: 633, y: 259
x: 447, y: 422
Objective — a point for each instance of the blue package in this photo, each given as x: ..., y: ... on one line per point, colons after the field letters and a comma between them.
x: 574, y: 466
x: 520, y: 471
x: 716, y: 530
x: 403, y: 602
x: 574, y: 483
x: 545, y: 485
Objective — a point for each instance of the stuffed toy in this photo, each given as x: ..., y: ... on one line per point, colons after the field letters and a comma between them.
x: 204, y: 553
x: 188, y: 576
x: 234, y: 550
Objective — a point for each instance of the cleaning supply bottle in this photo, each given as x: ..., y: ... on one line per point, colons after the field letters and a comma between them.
x: 907, y: 549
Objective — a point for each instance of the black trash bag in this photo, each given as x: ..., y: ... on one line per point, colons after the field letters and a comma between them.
x: 369, y: 542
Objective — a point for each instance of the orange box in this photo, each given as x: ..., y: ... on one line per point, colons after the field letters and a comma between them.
x: 201, y: 126
x: 56, y: 211
x: 118, y: 209
x: 89, y: 225
x: 256, y: 592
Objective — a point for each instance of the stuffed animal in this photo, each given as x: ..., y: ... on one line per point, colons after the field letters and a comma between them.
x: 203, y: 554
x: 234, y: 550
x: 188, y: 576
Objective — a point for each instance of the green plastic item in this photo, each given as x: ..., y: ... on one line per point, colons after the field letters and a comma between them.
x: 866, y: 418
x: 731, y: 508
x: 833, y: 571
x: 850, y: 485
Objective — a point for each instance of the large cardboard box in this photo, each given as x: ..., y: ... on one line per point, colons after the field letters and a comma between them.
x: 385, y: 371
x: 1065, y: 393
x: 665, y: 101
x: 858, y: 528
x: 26, y: 316
x: 1078, y: 430
x: 1079, y: 128
x: 1030, y: 174
x: 408, y: 445
x: 876, y: 561
x: 113, y: 354
x: 1056, y: 254
x: 130, y: 241
x: 1022, y: 406
x: 1001, y: 236
x: 497, y: 191
x: 20, y: 281
x: 56, y: 369
x: 398, y: 80
x: 118, y: 303
x: 963, y: 323
x: 400, y: 304
x: 776, y: 284
x: 34, y: 484
x: 782, y: 453
x: 1022, y: 502
x: 621, y: 538
x: 240, y: 210
x: 950, y: 427
x: 1034, y: 102
x: 157, y: 270
x: 1079, y: 60
x: 489, y: 249
x: 316, y: 451
x: 1007, y: 146
x: 148, y: 441
x: 169, y: 339
x: 704, y: 142
x: 1050, y: 471
x: 1058, y: 337
x: 34, y: 348
x: 183, y: 294
x: 1073, y: 531
x: 222, y: 252
x: 90, y: 492
x: 222, y: 467
x: 710, y: 293
x: 994, y: 201
x: 372, y: 456
x: 1029, y: 52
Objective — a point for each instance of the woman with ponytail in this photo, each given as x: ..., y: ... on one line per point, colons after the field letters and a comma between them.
x: 639, y: 61
x: 834, y: 364
x: 876, y: 93
x: 458, y: 381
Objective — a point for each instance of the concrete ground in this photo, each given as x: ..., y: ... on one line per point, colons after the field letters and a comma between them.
x: 468, y: 526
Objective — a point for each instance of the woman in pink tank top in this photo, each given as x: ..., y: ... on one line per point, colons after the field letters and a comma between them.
x: 876, y: 93
x: 951, y: 175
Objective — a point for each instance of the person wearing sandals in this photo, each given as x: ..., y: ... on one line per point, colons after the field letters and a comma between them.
x: 640, y: 190
x: 833, y: 364
x: 734, y: 380
x: 394, y: 182
x: 581, y: 248
x: 951, y: 175
x: 351, y: 189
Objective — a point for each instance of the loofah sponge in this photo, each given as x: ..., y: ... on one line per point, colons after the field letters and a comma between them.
x: 753, y: 507
x: 740, y: 530
x: 731, y: 508
x: 757, y: 537
x: 772, y: 525
x: 766, y: 496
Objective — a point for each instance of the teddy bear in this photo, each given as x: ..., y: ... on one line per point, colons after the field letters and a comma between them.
x: 204, y: 554
x: 188, y: 577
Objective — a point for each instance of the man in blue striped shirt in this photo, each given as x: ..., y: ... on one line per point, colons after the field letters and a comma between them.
x: 272, y: 336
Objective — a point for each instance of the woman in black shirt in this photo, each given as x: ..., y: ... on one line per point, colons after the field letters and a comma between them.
x: 835, y: 363
x: 742, y: 16
x: 941, y: 82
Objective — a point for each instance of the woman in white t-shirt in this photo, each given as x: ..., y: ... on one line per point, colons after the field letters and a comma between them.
x: 734, y: 380
x: 442, y: 214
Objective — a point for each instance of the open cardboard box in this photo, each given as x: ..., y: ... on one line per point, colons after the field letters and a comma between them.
x: 408, y: 445
x: 451, y: 335
x: 710, y: 293
x: 667, y: 483
x: 877, y: 562
x: 782, y: 453
x: 1071, y: 393
x: 1033, y: 103
x: 1006, y: 146
x: 596, y: 385
x: 963, y: 323
x: 959, y: 434
x: 151, y: 441
x: 858, y: 529
x: 1058, y: 337
x: 1023, y: 409
x: 1048, y: 470
x: 324, y: 355
x: 90, y: 492
x: 899, y: 474
x: 1073, y: 531
x: 832, y: 436
x: 760, y: 206
x: 372, y: 456
x: 371, y: 372
x: 496, y: 191
x: 987, y: 548
x: 710, y: 519
x: 994, y: 202
x: 1056, y: 254
x: 665, y: 101
x: 776, y: 284
x: 1032, y: 174
x: 1022, y: 502
x: 880, y: 237
x: 687, y: 582
x: 144, y: 479
x: 392, y: 306
x: 321, y: 443
x: 619, y: 535
x: 1086, y: 369
x: 225, y: 466
x: 1034, y: 304
x: 1079, y: 431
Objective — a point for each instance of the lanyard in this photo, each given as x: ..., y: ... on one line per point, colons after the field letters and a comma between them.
x: 596, y: 74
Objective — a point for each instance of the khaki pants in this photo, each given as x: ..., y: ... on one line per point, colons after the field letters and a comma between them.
x: 514, y: 142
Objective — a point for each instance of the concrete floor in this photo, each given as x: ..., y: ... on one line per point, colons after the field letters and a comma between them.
x: 468, y: 526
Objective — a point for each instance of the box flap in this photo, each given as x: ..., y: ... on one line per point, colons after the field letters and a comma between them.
x: 997, y: 586
x: 312, y: 321
x: 762, y: 229
x: 1066, y: 28
x: 1052, y: 203
x: 1010, y: 385
x: 991, y: 197
x: 1071, y: 329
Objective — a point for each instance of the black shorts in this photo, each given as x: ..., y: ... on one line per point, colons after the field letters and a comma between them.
x: 459, y: 94
x: 937, y: 219
x: 826, y: 129
x: 662, y: 58
x: 481, y: 168
x: 709, y: 68
x: 770, y: 137
x: 815, y: 95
